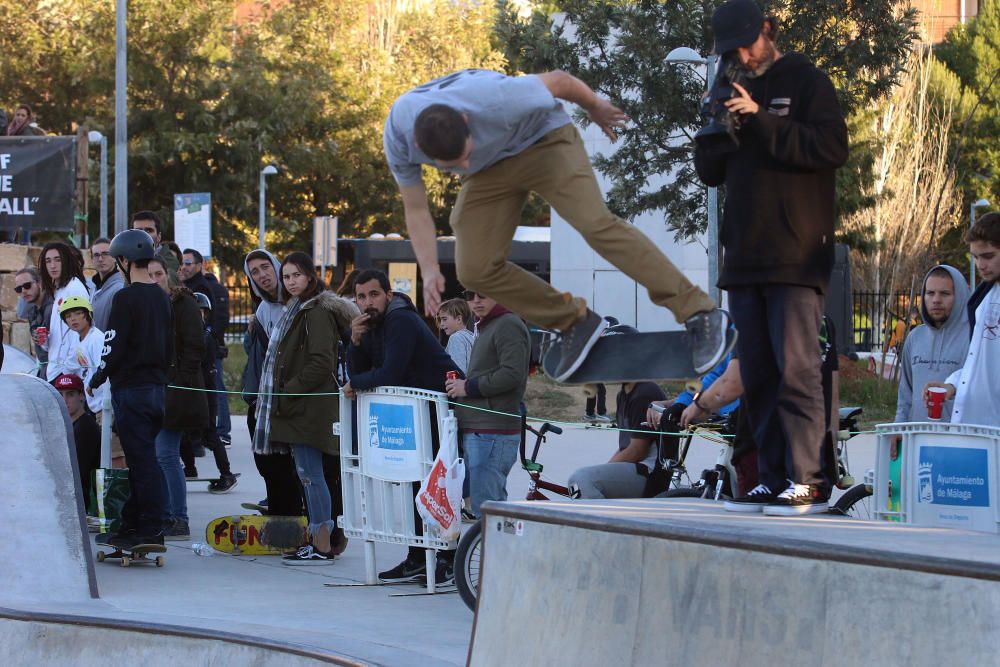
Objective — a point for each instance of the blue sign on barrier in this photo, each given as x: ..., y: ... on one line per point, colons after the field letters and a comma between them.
x: 953, y: 476
x: 391, y: 427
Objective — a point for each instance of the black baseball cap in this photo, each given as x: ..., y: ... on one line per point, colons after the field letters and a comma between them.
x: 736, y: 23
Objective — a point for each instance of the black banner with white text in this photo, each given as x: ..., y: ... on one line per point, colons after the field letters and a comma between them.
x: 37, y: 183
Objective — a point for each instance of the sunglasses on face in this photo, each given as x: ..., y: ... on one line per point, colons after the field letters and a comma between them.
x: 20, y: 288
x: 469, y: 295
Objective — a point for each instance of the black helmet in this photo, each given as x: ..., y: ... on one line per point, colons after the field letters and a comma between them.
x: 132, y: 244
x: 620, y: 329
x: 203, y: 301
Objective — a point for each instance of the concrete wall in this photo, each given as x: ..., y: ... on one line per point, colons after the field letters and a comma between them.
x: 608, y: 598
x: 45, y: 548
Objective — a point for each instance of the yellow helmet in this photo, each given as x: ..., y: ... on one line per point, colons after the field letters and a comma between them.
x: 71, y: 302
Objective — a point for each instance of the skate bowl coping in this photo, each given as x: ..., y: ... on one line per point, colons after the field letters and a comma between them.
x: 46, y: 551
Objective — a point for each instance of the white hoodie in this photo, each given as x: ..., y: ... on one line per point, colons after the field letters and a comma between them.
x: 977, y: 390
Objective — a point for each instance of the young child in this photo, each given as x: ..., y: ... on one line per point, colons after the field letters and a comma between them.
x: 86, y: 434
x: 81, y: 353
x: 210, y: 437
x: 974, y: 386
x: 454, y: 317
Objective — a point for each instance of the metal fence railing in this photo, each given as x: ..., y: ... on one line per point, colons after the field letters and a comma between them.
x: 876, y: 314
x: 240, y: 311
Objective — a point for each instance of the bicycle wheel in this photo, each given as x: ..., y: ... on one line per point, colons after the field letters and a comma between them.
x: 856, y: 503
x: 467, y: 560
x: 683, y: 492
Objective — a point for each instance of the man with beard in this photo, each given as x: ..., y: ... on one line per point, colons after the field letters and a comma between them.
x: 391, y: 346
x: 778, y: 235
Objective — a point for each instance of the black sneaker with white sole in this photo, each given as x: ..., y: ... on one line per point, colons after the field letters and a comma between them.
x: 224, y: 484
x: 799, y: 499
x: 759, y: 497
x: 308, y: 555
x: 407, y: 571
x: 444, y: 574
x: 707, y: 337
x: 576, y: 342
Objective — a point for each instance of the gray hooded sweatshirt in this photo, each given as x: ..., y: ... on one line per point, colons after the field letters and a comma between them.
x: 258, y: 334
x: 931, y: 354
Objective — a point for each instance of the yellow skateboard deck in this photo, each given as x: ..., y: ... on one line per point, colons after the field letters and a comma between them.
x: 256, y: 534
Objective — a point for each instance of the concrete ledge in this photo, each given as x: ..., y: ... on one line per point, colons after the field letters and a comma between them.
x: 676, y: 582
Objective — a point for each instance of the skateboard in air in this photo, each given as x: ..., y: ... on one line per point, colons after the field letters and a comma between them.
x: 641, y: 357
x: 136, y: 555
x: 257, y: 534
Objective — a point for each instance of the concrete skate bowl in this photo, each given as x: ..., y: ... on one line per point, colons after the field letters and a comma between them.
x: 678, y: 582
x: 16, y: 361
x: 49, y: 602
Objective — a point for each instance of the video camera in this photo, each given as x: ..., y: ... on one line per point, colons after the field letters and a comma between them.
x: 719, y: 135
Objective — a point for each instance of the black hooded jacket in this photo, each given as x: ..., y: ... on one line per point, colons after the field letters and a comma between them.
x: 778, y: 225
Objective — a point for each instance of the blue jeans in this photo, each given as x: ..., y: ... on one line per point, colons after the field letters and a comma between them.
x: 138, y: 418
x: 488, y: 460
x: 223, y: 425
x: 319, y: 504
x: 168, y: 454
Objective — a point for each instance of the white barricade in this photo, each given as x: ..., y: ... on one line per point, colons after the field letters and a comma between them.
x: 384, y: 456
x: 946, y: 476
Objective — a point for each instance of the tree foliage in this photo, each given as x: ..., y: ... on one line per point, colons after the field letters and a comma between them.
x: 620, y: 48
x: 215, y: 96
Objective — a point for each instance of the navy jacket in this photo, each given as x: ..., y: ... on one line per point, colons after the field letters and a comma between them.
x: 402, y: 351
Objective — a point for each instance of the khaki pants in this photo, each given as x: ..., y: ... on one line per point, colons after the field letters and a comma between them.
x: 558, y: 168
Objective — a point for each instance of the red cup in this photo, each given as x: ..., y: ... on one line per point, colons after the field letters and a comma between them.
x: 935, y: 404
x: 451, y: 375
x: 43, y: 334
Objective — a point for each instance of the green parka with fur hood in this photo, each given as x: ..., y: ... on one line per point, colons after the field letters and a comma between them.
x: 307, y: 363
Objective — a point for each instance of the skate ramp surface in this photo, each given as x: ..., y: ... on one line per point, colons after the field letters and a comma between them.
x: 45, y: 550
x: 16, y: 361
x: 671, y: 582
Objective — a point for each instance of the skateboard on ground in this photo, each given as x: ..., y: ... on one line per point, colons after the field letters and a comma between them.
x: 208, y: 479
x: 257, y: 534
x: 139, y: 554
x: 643, y: 357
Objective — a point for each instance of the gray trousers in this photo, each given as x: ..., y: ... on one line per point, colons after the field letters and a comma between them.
x: 609, y: 480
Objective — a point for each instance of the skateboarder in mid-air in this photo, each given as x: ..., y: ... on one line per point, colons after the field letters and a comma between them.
x: 509, y: 136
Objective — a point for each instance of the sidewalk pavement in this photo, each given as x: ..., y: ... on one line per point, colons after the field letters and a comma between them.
x: 292, y: 604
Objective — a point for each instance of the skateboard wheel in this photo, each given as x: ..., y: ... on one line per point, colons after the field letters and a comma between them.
x: 159, y: 561
x: 100, y: 556
x: 125, y: 561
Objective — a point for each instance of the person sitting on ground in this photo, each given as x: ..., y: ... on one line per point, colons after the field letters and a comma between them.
x: 86, y: 433
x: 454, y: 318
x: 80, y: 353
x: 974, y: 386
x: 210, y: 435
x: 299, y: 405
x: 284, y: 492
x: 62, y: 277
x: 136, y: 358
x: 34, y: 304
x: 497, y: 379
x: 185, y: 409
x: 392, y: 346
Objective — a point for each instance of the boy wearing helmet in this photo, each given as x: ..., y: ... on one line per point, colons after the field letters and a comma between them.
x: 81, y: 353
x: 138, y: 347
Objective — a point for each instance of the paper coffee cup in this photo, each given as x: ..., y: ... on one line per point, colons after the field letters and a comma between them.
x: 936, y: 404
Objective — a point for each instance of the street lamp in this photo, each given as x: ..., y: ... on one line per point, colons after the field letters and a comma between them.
x: 269, y: 170
x: 94, y: 136
x: 684, y: 55
x: 121, y: 117
x: 982, y: 203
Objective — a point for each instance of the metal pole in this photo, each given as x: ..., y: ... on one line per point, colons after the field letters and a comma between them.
x: 714, y: 253
x: 104, y: 186
x: 263, y: 210
x: 121, y: 119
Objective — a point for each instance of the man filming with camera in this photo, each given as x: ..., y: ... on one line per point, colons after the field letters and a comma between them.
x: 775, y: 137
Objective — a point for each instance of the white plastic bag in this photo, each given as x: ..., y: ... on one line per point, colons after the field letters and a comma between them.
x: 439, y: 501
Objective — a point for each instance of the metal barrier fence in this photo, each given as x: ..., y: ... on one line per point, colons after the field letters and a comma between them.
x: 240, y: 311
